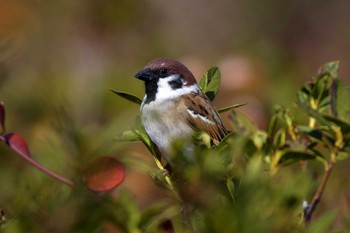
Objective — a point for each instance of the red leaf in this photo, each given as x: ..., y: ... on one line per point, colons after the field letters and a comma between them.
x: 17, y: 143
x: 104, y: 174
x: 2, y: 117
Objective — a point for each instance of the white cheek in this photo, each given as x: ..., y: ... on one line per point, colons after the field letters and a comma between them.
x: 166, y: 92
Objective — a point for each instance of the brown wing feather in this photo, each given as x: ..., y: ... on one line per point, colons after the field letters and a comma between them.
x: 198, y: 114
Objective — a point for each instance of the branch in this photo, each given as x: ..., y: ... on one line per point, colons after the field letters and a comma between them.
x: 310, y: 208
x: 19, y: 145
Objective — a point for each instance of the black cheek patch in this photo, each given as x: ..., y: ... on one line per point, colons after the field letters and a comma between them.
x: 175, y: 84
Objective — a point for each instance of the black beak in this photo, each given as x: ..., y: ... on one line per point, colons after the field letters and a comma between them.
x: 144, y: 75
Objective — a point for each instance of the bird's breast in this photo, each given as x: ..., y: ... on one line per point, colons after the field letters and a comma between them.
x: 164, y: 122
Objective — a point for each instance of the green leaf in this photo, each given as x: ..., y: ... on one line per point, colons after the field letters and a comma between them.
x: 279, y: 138
x: 202, y: 138
x: 231, y: 188
x: 324, y: 104
x: 144, y: 138
x: 330, y: 68
x: 129, y: 136
x: 225, y: 109
x: 210, y: 82
x: 259, y: 138
x: 292, y: 156
x: 148, y: 143
x: 226, y: 140
x: 321, y: 88
x: 242, y: 123
x: 342, y: 155
x: 284, y: 116
x: 131, y: 213
x: 303, y: 98
x: 312, y: 113
x: 314, y: 133
x: 128, y: 96
x: 340, y: 100
x: 272, y: 125
x: 315, y: 95
x: 345, y: 126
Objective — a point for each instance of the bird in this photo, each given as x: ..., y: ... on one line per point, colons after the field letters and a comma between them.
x: 174, y: 106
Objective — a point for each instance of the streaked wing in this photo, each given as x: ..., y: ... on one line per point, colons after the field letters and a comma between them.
x: 202, y: 118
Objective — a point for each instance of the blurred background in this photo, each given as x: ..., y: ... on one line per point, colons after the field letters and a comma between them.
x: 58, y: 60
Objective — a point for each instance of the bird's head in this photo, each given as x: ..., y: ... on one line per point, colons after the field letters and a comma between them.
x: 165, y: 78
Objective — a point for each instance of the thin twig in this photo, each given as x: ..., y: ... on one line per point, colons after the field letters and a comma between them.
x: 309, y: 209
x: 39, y: 166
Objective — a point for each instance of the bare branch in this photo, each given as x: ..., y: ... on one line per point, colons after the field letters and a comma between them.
x: 310, y: 208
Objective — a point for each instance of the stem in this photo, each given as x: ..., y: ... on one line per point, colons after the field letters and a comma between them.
x: 39, y: 166
x: 48, y: 171
x: 309, y: 209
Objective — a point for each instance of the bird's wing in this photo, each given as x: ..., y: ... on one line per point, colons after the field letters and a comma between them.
x: 202, y: 116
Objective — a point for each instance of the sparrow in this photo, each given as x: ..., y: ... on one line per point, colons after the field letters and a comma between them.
x: 174, y: 106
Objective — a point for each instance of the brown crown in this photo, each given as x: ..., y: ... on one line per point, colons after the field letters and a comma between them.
x: 172, y: 65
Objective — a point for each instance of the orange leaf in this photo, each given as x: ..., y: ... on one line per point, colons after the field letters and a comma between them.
x: 104, y: 174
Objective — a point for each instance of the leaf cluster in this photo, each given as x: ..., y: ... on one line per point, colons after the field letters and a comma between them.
x: 219, y: 185
x: 252, y: 181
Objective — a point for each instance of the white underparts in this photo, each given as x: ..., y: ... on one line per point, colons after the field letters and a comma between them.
x: 157, y: 116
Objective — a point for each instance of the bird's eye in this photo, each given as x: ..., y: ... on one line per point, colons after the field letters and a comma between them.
x: 163, y: 72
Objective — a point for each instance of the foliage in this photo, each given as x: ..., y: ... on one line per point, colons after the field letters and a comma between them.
x: 236, y: 183
x: 253, y: 181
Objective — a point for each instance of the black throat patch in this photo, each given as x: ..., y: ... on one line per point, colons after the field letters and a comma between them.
x: 151, y: 90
